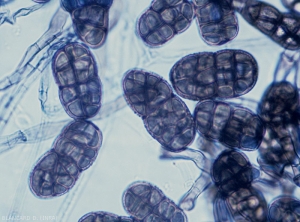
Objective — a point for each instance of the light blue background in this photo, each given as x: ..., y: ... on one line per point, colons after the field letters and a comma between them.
x: 128, y: 152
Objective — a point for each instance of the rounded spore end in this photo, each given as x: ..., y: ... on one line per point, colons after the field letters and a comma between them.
x: 165, y: 116
x: 98, y: 216
x: 232, y: 171
x: 75, y: 72
x: 216, y: 21
x: 53, y: 175
x: 163, y: 20
x: 237, y: 73
x: 280, y: 27
x: 284, y: 208
x: 279, y: 104
x: 248, y: 204
x: 172, y: 125
x: 206, y: 75
x: 80, y: 140
x: 136, y: 199
x: 193, y: 76
x: 146, y: 202
x: 244, y: 130
x: 145, y: 92
x: 91, y: 24
x: 231, y: 125
x: 103, y: 216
